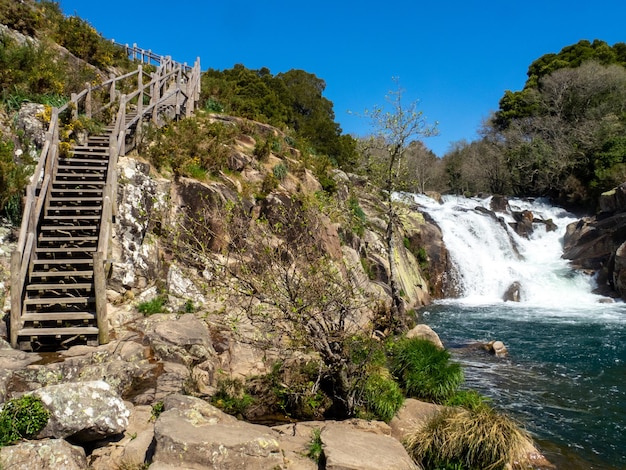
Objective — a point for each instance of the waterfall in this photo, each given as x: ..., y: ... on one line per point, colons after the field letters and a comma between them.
x: 489, y: 256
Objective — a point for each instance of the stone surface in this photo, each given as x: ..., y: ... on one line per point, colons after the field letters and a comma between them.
x: 425, y: 332
x: 191, y: 433
x: 347, y: 449
x: 184, y: 340
x: 513, y: 293
x: 83, y: 412
x: 412, y: 415
x: 46, y: 454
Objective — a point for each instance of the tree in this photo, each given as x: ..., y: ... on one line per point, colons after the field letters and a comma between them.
x: 395, y: 127
x: 278, y: 271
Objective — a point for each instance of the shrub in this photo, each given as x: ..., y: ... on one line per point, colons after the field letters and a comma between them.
x: 22, y: 418
x: 476, y: 439
x: 13, y: 180
x: 150, y: 307
x: 425, y: 371
x: 231, y: 397
x: 157, y: 409
x: 382, y: 395
x: 469, y: 399
x: 280, y: 171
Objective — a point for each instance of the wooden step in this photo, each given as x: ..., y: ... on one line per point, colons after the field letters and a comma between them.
x: 83, y: 167
x: 73, y: 217
x: 73, y: 208
x: 63, y: 262
x: 60, y: 301
x: 67, y: 274
x: 75, y: 199
x: 60, y: 286
x: 57, y: 183
x: 49, y: 250
x: 72, y: 239
x: 70, y: 331
x: 75, y: 160
x: 76, y: 192
x: 57, y: 316
x: 68, y: 228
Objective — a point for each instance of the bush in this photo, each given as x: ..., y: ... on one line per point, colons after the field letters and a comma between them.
x: 13, y: 180
x: 231, y: 397
x: 316, y: 448
x: 280, y: 171
x: 153, y: 306
x: 424, y: 371
x: 382, y: 395
x: 22, y: 418
x: 476, y: 439
x: 469, y: 399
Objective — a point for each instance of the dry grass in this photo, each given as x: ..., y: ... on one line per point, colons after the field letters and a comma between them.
x: 477, y: 439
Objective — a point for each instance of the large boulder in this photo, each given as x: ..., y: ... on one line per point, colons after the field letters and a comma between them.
x: 46, y: 454
x: 184, y: 340
x: 83, y: 412
x: 425, y: 332
x: 193, y: 434
x: 347, y: 449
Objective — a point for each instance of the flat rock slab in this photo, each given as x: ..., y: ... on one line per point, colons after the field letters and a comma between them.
x: 194, y: 434
x: 347, y: 449
x: 48, y: 454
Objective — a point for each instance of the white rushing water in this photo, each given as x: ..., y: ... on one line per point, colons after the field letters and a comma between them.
x: 484, y: 253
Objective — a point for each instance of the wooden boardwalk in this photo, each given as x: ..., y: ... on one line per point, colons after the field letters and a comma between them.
x: 59, y: 269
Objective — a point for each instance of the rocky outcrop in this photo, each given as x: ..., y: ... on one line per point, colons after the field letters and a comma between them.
x: 425, y: 332
x: 595, y: 244
x: 513, y: 293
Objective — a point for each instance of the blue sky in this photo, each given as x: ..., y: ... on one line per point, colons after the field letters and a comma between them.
x: 456, y: 57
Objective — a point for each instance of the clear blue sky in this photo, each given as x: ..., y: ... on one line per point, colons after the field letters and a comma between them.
x: 457, y: 57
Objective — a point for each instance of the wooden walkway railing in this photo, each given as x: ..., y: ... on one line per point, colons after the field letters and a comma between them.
x: 129, y: 100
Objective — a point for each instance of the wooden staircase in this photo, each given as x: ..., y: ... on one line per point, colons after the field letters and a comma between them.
x: 58, y: 271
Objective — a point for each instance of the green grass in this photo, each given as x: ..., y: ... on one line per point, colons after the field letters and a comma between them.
x: 471, y: 439
x: 425, y: 371
x: 22, y: 418
x: 316, y: 450
x: 382, y: 395
x: 153, y: 306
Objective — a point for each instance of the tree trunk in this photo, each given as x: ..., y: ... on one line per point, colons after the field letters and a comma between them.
x: 398, y: 313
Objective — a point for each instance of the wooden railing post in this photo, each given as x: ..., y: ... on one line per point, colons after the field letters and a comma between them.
x: 88, y: 100
x: 99, y: 279
x: 16, y: 296
x: 112, y: 92
x: 140, y: 88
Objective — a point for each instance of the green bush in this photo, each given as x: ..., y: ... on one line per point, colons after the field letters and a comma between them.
x: 231, y: 397
x: 280, y: 171
x: 469, y: 399
x: 382, y: 395
x: 22, y: 418
x: 13, y: 180
x: 425, y: 371
x: 480, y: 439
x: 150, y: 307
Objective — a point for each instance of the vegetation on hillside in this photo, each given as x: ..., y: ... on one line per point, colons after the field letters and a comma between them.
x: 291, y: 101
x: 562, y: 136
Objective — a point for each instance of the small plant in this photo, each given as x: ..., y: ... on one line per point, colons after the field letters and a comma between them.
x: 157, y: 409
x: 382, y: 395
x: 316, y: 448
x: 280, y: 171
x: 231, y: 397
x: 424, y: 370
x: 358, y: 219
x: 150, y: 307
x: 22, y: 418
x: 189, y: 307
x: 469, y: 399
x: 472, y: 439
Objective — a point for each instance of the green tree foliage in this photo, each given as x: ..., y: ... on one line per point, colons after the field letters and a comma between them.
x: 561, y: 136
x: 292, y: 100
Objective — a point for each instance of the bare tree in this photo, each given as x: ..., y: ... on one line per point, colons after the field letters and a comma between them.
x: 278, y: 271
x: 395, y: 127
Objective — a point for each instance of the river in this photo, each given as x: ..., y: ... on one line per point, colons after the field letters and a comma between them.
x: 564, y: 378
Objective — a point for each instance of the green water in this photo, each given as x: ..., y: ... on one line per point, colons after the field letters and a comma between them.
x: 564, y: 377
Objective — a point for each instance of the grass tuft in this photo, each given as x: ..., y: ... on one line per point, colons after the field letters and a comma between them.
x: 474, y: 439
